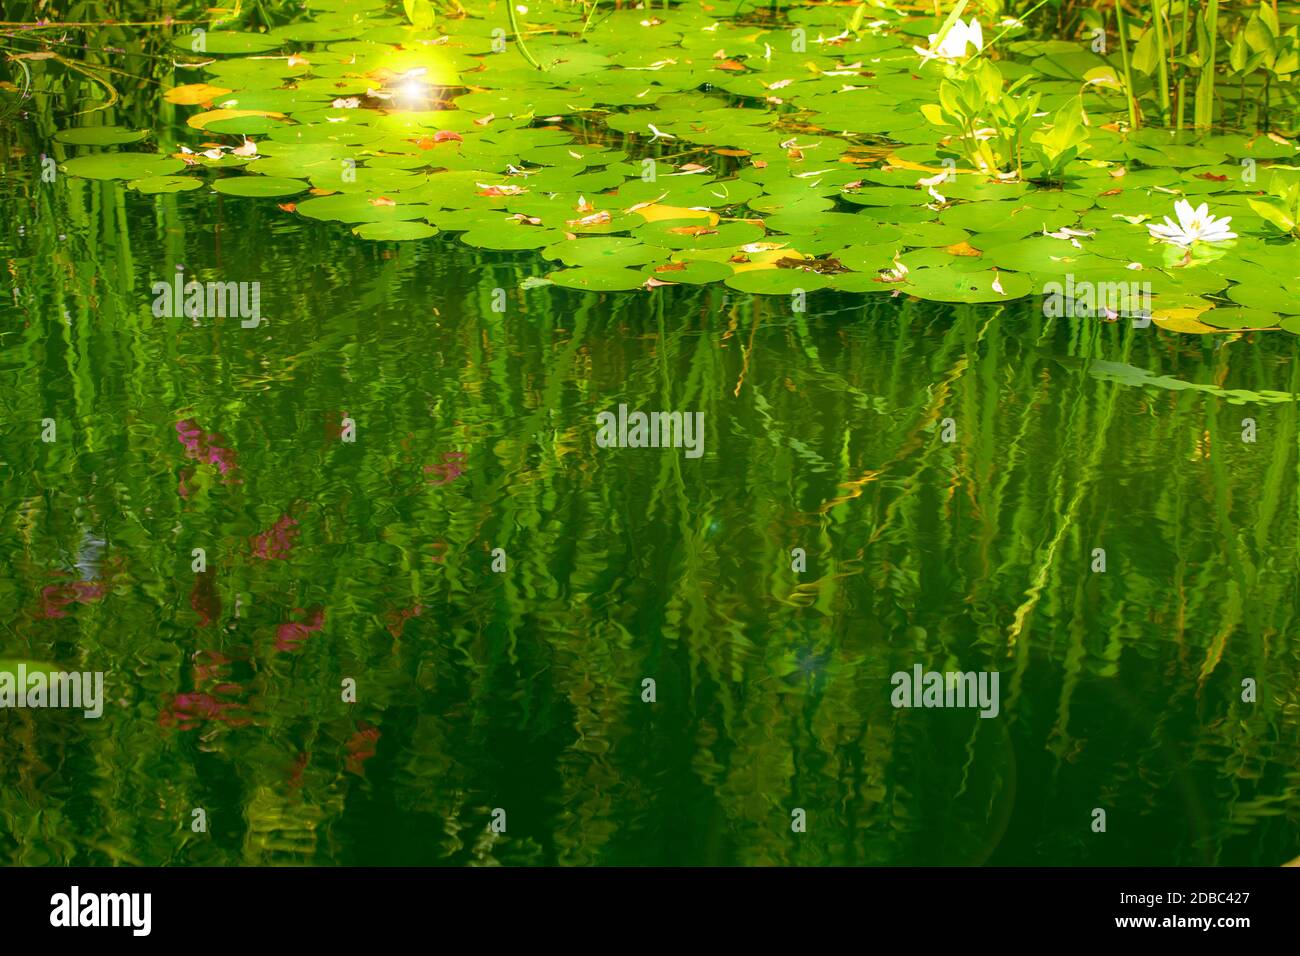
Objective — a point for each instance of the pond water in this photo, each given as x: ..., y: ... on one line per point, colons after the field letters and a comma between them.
x: 476, y: 430
x: 432, y: 593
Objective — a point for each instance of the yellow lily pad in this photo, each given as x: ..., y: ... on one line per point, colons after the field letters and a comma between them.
x: 194, y: 94
x: 202, y: 120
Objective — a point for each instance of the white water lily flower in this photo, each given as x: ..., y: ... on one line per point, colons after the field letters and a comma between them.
x: 1194, y: 225
x: 954, y: 42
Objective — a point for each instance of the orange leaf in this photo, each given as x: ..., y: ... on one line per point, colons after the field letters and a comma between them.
x: 506, y: 190
x: 381, y: 201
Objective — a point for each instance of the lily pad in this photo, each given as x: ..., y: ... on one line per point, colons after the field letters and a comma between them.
x: 100, y: 135
x: 122, y: 166
x: 948, y: 285
x: 258, y: 186
x: 398, y: 231
x: 161, y: 185
x: 599, y: 278
x: 776, y: 281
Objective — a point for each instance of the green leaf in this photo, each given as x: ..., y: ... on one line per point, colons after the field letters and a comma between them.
x: 419, y: 13
x: 1275, y: 212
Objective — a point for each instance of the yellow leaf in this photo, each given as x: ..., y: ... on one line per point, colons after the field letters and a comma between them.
x: 1183, y: 319
x: 201, y: 120
x: 766, y: 260
x: 192, y: 94
x: 898, y: 163
x: 655, y: 212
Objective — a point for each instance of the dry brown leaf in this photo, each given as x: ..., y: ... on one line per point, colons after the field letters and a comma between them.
x: 595, y: 219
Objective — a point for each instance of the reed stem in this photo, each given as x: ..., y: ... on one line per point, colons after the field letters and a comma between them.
x: 1129, y: 92
x: 1157, y: 22
x: 1205, y: 85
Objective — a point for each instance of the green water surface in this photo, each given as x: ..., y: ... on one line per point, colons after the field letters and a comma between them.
x: 522, y: 690
x: 395, y: 480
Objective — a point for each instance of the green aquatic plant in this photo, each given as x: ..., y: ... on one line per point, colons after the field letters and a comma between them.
x: 990, y: 118
x: 1060, y: 143
x: 1260, y: 45
x: 1207, y: 51
x: 1281, y: 206
x: 513, y: 17
x: 420, y: 13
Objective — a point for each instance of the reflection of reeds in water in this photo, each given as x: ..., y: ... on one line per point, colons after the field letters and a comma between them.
x: 523, y: 688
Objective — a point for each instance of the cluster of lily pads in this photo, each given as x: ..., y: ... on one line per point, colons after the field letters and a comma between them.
x: 882, y: 153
